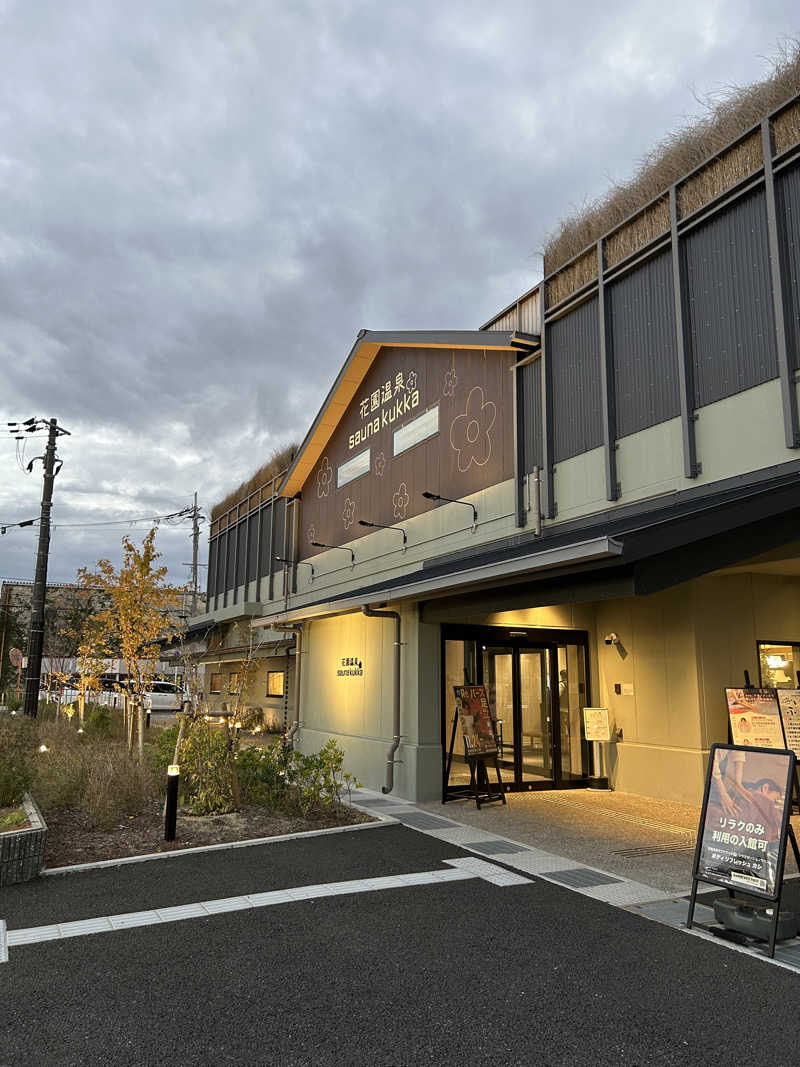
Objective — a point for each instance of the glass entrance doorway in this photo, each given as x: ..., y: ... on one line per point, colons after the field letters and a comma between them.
x: 537, y: 684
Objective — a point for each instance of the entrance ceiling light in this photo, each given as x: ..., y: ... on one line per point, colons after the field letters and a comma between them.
x: 381, y: 526
x: 450, y: 500
x: 341, y: 548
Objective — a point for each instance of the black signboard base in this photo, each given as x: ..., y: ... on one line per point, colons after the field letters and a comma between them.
x: 479, y: 785
x: 767, y: 900
x: 479, y: 780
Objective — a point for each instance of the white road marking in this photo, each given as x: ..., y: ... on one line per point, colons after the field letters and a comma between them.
x: 458, y: 870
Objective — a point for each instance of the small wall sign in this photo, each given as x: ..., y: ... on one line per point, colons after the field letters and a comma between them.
x: 350, y: 667
x: 596, y: 724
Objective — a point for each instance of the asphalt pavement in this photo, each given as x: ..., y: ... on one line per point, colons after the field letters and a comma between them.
x: 461, y: 972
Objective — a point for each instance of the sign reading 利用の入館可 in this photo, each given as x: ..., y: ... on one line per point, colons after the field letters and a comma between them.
x: 743, y: 824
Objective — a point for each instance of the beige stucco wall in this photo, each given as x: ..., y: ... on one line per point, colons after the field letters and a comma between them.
x: 357, y: 710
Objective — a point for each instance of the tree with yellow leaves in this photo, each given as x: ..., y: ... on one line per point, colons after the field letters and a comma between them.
x: 138, y: 617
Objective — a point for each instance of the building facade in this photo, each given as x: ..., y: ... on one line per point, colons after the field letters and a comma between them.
x: 591, y: 501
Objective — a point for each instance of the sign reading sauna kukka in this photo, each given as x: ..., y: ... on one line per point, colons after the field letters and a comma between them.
x: 351, y: 667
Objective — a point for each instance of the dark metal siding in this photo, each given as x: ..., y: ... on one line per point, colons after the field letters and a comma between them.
x: 252, y: 545
x: 280, y: 521
x: 264, y: 569
x: 229, y: 539
x: 729, y: 305
x: 212, y: 569
x: 241, y: 549
x: 531, y: 413
x: 573, y: 349
x: 643, y: 347
x: 787, y: 198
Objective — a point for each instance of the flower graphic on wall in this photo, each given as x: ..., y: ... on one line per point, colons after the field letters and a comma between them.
x: 349, y: 513
x: 311, y: 535
x: 470, y: 432
x: 324, y: 477
x: 380, y: 464
x: 450, y: 380
x: 401, y: 500
x: 411, y: 381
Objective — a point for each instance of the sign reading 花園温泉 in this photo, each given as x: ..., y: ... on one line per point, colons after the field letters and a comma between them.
x: 596, y: 725
x: 754, y: 717
x: 396, y: 397
x: 789, y: 704
x: 350, y: 667
x: 741, y: 841
x: 475, y: 719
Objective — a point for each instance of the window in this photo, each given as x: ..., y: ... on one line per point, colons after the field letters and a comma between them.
x: 353, y: 468
x: 419, y: 429
x: 275, y: 683
x: 233, y: 682
x: 215, y: 685
x: 778, y: 664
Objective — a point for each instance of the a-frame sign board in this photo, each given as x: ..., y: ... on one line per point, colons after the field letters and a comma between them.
x: 766, y: 717
x: 480, y: 742
x: 744, y: 826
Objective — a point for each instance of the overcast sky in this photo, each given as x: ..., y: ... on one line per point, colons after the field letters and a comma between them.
x: 203, y: 202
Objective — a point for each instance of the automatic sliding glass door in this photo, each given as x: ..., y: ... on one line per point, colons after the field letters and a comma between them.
x: 537, y: 685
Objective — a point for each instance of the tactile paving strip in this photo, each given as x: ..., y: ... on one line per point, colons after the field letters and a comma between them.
x: 494, y: 848
x: 421, y: 820
x: 581, y: 878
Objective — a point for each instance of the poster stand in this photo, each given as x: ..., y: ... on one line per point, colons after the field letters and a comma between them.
x: 480, y: 787
x: 734, y: 891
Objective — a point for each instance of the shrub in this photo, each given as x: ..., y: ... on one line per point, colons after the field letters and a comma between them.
x: 98, y: 720
x: 316, y: 779
x: 14, y: 703
x: 262, y: 775
x: 17, y: 752
x: 205, y: 764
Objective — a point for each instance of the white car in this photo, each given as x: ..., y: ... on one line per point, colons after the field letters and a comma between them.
x: 164, y: 696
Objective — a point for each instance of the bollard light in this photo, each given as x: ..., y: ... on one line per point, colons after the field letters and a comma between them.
x: 171, y: 807
x: 43, y: 748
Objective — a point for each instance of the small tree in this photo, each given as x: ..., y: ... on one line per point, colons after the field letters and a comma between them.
x: 138, y: 617
x: 92, y: 650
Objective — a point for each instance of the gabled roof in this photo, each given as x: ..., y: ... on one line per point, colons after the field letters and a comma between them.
x: 362, y: 355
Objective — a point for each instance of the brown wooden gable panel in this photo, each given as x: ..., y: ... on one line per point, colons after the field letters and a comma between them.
x: 473, y: 448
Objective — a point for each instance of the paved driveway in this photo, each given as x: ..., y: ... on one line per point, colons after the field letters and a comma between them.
x: 456, y: 971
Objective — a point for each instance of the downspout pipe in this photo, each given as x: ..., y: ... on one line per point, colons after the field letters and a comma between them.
x: 390, y: 755
x: 297, y: 629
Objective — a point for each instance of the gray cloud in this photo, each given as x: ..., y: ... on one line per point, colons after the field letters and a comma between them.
x: 202, y: 204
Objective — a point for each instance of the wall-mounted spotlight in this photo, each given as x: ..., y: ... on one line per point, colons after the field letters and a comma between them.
x: 342, y: 548
x: 296, y: 563
x: 449, y: 500
x: 381, y: 526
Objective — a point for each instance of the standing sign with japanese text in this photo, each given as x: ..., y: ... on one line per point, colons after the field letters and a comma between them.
x: 789, y: 704
x: 754, y: 718
x: 475, y: 719
x: 741, y: 842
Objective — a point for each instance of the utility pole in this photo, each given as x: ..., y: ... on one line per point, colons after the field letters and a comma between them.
x: 195, y: 542
x: 36, y: 633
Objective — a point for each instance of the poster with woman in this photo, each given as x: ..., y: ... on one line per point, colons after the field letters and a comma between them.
x: 744, y: 820
x: 475, y: 720
x: 754, y: 717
